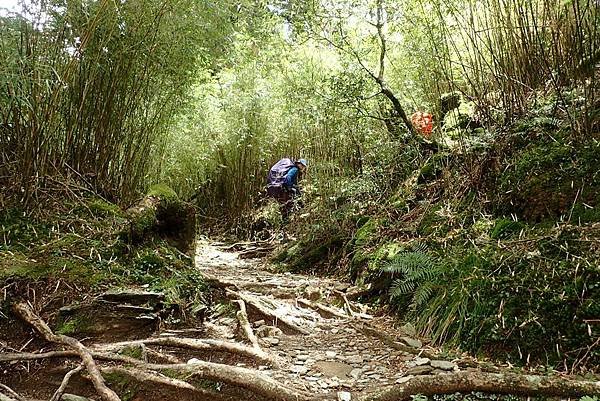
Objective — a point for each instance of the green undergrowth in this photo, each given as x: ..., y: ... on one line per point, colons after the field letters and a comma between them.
x: 82, y: 245
x: 492, y: 250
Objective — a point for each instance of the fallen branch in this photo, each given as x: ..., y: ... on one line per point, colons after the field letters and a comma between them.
x: 495, y: 383
x: 24, y: 312
x: 65, y: 382
x: 242, y: 317
x: 273, y: 314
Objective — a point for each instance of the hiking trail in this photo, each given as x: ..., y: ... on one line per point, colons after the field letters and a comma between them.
x: 266, y: 336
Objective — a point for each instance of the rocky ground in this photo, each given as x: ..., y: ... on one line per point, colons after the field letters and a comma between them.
x: 340, y: 347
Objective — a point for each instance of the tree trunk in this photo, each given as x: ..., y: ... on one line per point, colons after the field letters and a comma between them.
x: 161, y: 212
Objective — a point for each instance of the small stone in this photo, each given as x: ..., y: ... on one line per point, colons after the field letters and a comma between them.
x: 334, y: 331
x: 323, y: 384
x: 419, y: 370
x: 193, y: 360
x: 259, y: 323
x: 312, y: 293
x: 344, y: 396
x: 341, y: 286
x: 355, y: 373
x: 330, y: 354
x: 444, y: 365
x: 409, y: 330
x: 301, y: 370
x: 354, y: 359
x: 302, y: 357
x: 421, y: 361
x: 271, y: 340
x: 404, y: 379
x: 412, y: 342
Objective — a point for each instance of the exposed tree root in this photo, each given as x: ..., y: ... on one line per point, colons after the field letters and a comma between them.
x: 65, y: 382
x: 392, y: 342
x: 197, y: 344
x: 143, y: 376
x: 495, y: 383
x: 24, y: 312
x: 259, y: 305
x: 323, y: 310
x: 26, y: 356
x: 162, y: 357
x: 14, y: 396
x: 242, y: 317
x: 248, y: 379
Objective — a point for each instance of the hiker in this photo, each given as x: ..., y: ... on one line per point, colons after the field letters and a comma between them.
x: 282, y: 183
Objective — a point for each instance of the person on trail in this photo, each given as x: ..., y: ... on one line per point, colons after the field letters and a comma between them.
x: 282, y: 183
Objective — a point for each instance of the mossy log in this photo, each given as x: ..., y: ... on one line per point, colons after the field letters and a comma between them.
x: 162, y: 213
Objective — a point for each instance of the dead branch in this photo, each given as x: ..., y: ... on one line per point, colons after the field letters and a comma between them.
x: 65, y: 382
x: 507, y: 383
x: 242, y: 317
x: 24, y: 312
x: 277, y: 317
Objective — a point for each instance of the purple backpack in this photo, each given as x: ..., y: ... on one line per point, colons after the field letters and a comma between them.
x: 278, y: 171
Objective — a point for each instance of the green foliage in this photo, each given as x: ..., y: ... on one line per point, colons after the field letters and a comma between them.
x: 102, y: 208
x: 504, y: 228
x: 72, y: 326
x: 472, y: 396
x: 74, y: 246
x: 418, y: 272
x: 163, y: 191
x: 125, y: 387
x: 366, y: 233
x: 551, y: 178
x: 132, y: 351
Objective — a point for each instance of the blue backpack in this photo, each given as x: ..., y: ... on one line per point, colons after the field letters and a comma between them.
x: 277, y: 173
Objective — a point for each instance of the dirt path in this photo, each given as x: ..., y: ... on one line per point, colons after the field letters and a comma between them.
x: 334, y: 350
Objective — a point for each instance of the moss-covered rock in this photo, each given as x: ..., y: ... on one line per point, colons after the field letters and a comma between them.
x: 367, y: 232
x: 102, y: 208
x: 162, y: 212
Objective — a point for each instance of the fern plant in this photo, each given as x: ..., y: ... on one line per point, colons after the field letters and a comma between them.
x: 419, y: 273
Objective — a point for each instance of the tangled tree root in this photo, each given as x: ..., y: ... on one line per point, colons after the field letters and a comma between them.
x: 253, y: 380
x: 24, y: 312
